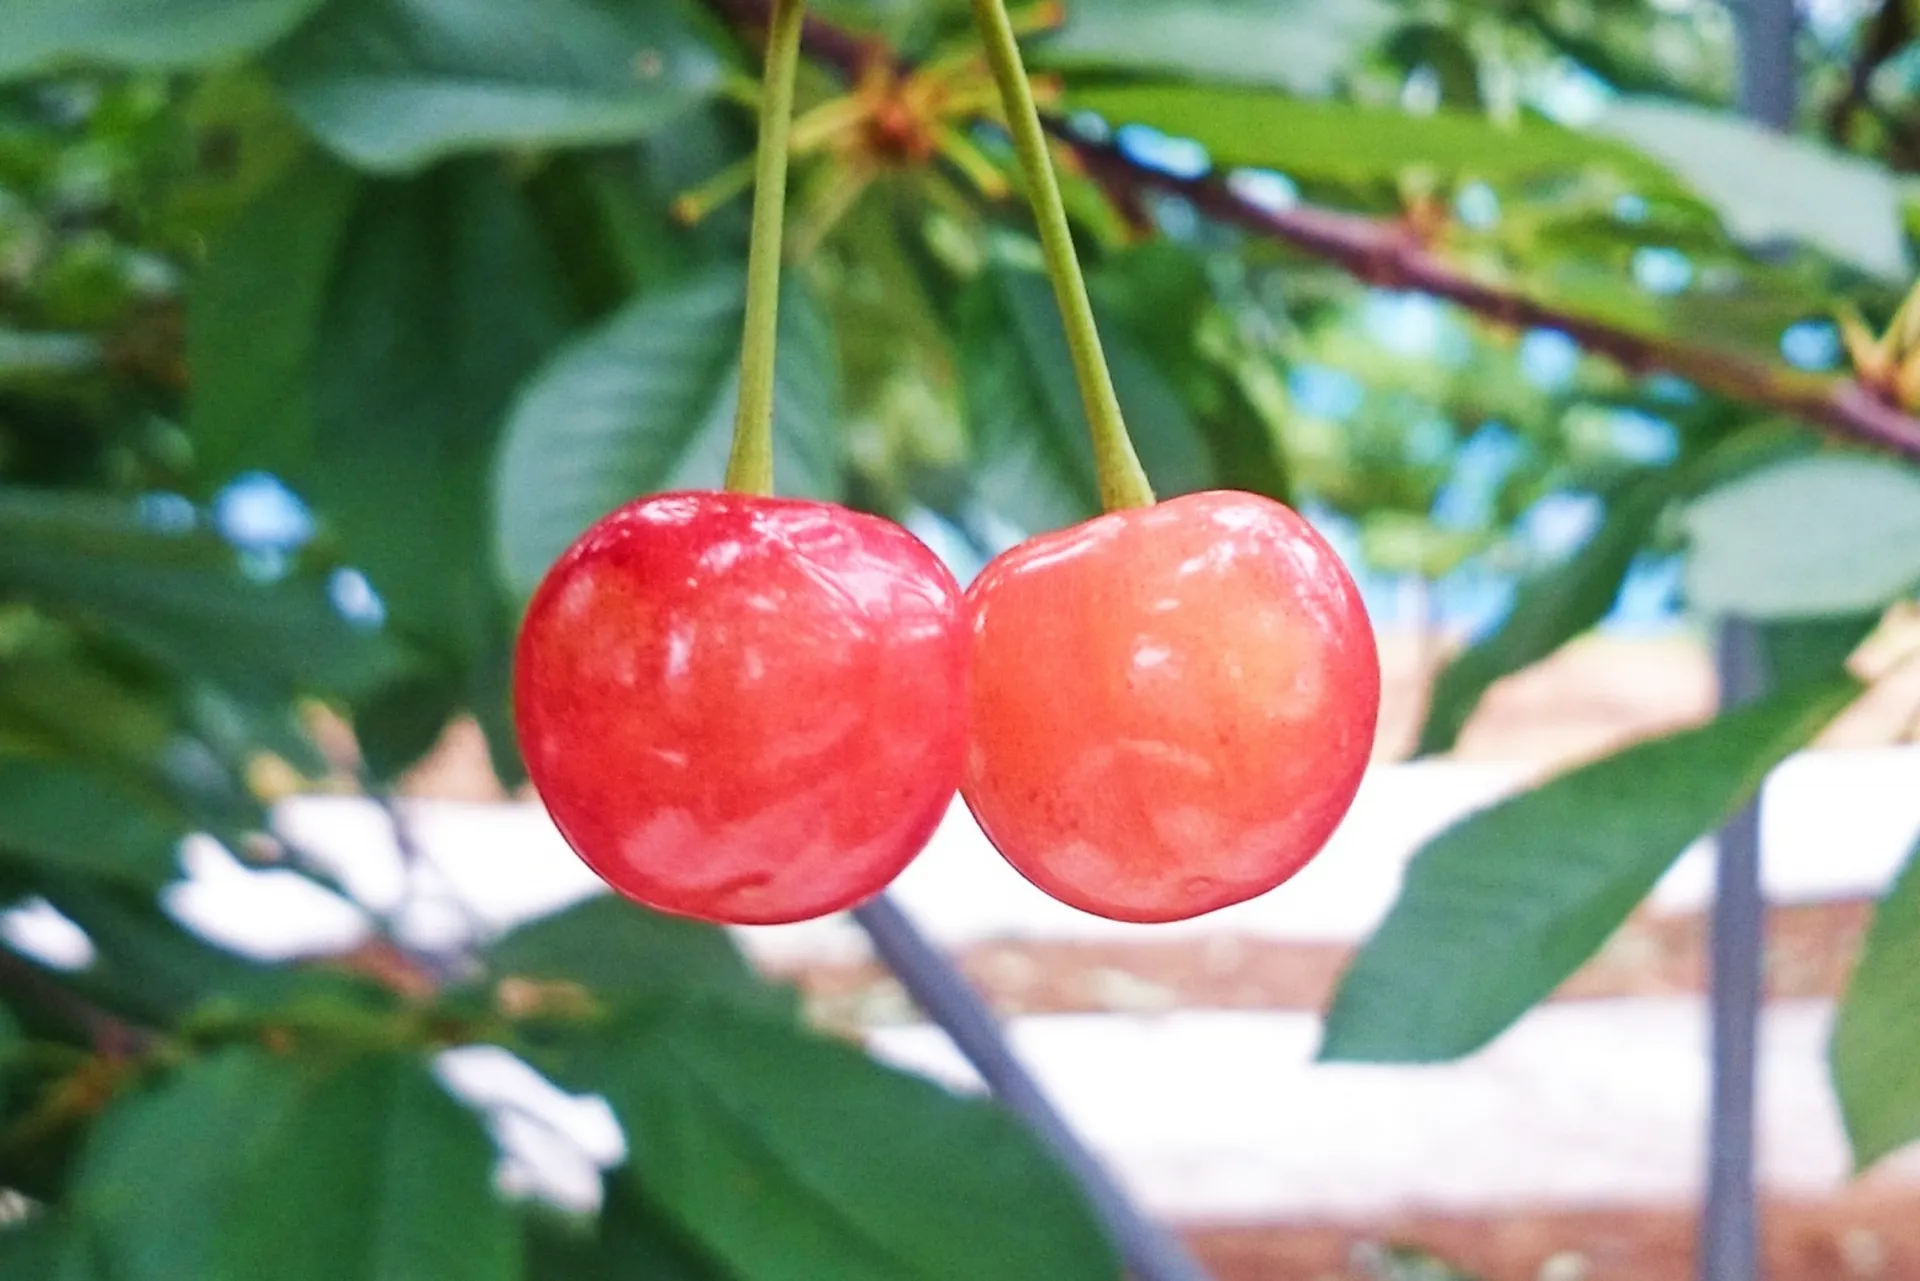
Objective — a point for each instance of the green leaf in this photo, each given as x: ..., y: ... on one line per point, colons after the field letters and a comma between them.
x: 1817, y: 535
x: 1549, y: 609
x: 788, y: 1155
x: 179, y: 597
x: 1347, y: 143
x: 44, y: 34
x: 153, y: 1186
x: 1297, y: 45
x: 1034, y: 463
x: 1876, y: 1037
x: 1501, y: 907
x: 11, y: 1040
x: 1161, y: 298
x: 62, y: 817
x: 317, y: 1170
x: 59, y: 699
x: 1802, y: 649
x: 392, y: 85
x: 48, y: 1249
x: 645, y: 403
x: 253, y: 322
x: 420, y: 1169
x: 444, y: 301
x: 629, y: 1241
x: 619, y: 951
x: 1767, y: 185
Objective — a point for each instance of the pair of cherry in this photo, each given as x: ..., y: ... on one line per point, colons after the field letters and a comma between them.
x: 753, y: 710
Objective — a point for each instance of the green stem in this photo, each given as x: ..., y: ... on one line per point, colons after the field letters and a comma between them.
x: 1123, y: 482
x: 750, y: 465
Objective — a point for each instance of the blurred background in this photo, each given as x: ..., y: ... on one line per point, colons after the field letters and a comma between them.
x: 325, y: 325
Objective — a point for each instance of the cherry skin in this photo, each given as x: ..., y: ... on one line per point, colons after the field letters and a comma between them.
x: 1171, y: 706
x: 744, y: 710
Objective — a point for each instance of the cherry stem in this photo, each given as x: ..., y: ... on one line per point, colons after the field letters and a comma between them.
x: 750, y: 465
x: 1123, y: 482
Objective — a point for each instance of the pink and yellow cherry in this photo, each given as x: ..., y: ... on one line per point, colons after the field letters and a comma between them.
x: 1171, y: 706
x: 741, y: 709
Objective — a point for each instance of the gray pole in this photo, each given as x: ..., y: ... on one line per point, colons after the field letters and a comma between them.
x: 1729, y: 1227
x: 1151, y: 1252
x: 1729, y: 1223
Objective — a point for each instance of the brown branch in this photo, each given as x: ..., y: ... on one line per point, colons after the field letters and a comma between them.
x: 1385, y: 253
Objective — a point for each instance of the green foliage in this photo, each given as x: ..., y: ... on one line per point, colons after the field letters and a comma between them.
x: 1346, y: 143
x: 645, y: 403
x: 179, y: 598
x: 1551, y: 609
x: 45, y: 34
x: 1517, y: 896
x: 1298, y: 46
x: 268, y: 1197
x: 423, y: 263
x: 1765, y: 186
x: 759, y: 1140
x: 1878, y: 1031
x: 1033, y: 461
x: 396, y: 84
x: 1809, y: 537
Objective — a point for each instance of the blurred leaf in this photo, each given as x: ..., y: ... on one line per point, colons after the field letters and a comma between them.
x: 444, y: 301
x: 66, y: 818
x: 394, y: 84
x: 620, y: 951
x: 1160, y: 293
x: 1347, y: 142
x: 253, y: 322
x: 48, y: 1249
x: 1802, y: 649
x: 1767, y: 185
x: 397, y: 726
x: 1444, y: 52
x: 1297, y: 45
x: 44, y: 34
x: 628, y: 1241
x: 321, y: 1171
x: 10, y: 1042
x: 645, y: 403
x: 1500, y: 908
x: 180, y: 597
x: 1033, y: 460
x: 1818, y: 535
x: 1876, y: 1037
x: 152, y: 1185
x: 1549, y: 609
x: 787, y: 1155
x: 62, y: 700
x: 421, y: 1170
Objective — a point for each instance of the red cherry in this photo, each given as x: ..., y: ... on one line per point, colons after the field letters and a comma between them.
x: 1172, y: 706
x: 746, y: 710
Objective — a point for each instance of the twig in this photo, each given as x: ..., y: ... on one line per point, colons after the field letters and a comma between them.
x: 1384, y: 253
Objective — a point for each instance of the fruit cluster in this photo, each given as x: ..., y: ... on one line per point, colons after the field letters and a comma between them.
x: 752, y: 710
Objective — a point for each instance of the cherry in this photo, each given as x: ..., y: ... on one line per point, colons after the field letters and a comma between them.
x: 742, y: 709
x: 1171, y: 706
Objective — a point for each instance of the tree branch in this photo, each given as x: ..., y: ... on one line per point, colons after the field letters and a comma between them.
x: 1387, y: 254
